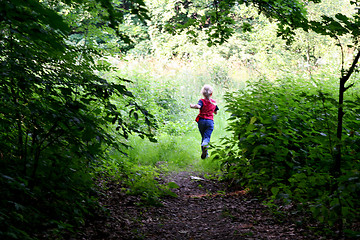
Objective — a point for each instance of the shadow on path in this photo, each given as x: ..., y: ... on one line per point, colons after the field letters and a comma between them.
x: 202, y: 211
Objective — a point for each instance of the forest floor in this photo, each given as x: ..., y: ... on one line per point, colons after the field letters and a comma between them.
x: 204, y: 209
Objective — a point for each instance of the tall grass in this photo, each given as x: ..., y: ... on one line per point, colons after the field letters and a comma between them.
x: 178, y: 152
x: 166, y: 88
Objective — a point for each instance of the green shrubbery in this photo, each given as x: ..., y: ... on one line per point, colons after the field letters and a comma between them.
x: 55, y: 112
x: 283, y: 138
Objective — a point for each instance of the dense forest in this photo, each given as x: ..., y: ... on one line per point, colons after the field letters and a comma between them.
x: 99, y: 91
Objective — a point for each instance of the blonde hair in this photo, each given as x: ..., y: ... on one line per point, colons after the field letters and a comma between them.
x: 207, y: 90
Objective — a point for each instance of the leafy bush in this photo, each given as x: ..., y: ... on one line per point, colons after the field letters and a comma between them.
x: 283, y: 136
x: 54, y: 118
x: 278, y: 130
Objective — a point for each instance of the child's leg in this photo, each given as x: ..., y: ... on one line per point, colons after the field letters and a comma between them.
x: 202, y: 124
x: 207, y: 132
x: 202, y: 128
x: 206, y: 127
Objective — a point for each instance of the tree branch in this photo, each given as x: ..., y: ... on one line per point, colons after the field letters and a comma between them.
x: 346, y: 88
x: 351, y: 69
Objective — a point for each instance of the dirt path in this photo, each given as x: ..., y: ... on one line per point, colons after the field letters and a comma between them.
x: 202, y: 211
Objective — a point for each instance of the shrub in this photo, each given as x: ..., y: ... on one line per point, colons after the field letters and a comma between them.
x: 283, y: 136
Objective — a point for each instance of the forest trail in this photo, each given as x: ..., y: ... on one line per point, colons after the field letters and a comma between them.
x: 202, y: 211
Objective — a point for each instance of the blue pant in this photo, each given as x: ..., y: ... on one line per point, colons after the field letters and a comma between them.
x: 206, y: 127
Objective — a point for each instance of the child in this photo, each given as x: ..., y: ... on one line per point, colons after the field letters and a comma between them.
x: 205, y: 119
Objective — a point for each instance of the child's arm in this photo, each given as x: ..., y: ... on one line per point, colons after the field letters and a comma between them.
x: 195, y: 106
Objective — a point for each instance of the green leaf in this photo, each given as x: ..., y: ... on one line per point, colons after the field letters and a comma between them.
x: 172, y: 185
x: 275, y: 190
x: 253, y: 120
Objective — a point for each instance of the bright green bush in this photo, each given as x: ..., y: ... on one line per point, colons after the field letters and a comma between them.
x: 283, y: 136
x: 278, y: 129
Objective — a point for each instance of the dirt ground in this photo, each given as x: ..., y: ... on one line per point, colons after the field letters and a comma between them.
x: 204, y: 209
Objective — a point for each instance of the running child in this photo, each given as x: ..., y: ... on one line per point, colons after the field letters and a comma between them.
x: 205, y: 119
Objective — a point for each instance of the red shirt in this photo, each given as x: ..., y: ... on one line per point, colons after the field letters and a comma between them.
x: 207, y: 109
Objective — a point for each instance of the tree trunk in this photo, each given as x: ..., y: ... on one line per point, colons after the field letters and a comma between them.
x: 337, y: 164
x: 342, y: 89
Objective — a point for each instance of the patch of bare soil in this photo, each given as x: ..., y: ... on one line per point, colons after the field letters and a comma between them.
x: 203, y: 210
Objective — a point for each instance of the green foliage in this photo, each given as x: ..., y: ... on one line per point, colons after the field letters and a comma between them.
x: 137, y: 174
x: 283, y: 136
x: 217, y: 18
x: 54, y: 117
x: 270, y: 125
x: 168, y: 153
x: 106, y: 26
x: 142, y: 181
x: 254, y: 53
